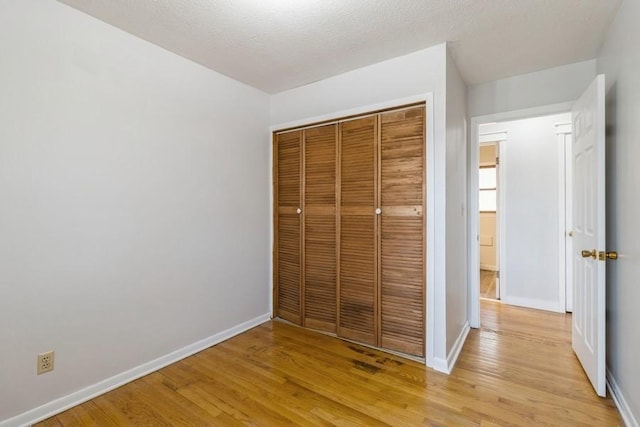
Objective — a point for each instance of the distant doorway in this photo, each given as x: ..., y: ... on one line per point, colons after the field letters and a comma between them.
x: 488, y: 220
x: 521, y: 205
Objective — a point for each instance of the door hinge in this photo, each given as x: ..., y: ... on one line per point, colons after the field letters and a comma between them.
x: 497, y: 160
x: 498, y: 274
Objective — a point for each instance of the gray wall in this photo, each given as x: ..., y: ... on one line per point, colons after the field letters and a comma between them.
x: 135, y: 212
x: 619, y: 60
x: 553, y: 86
x: 457, y: 289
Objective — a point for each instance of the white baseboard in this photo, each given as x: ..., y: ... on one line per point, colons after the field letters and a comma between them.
x: 488, y: 267
x: 452, y: 358
x: 440, y: 365
x: 618, y: 398
x: 534, y: 303
x: 59, y: 405
x: 446, y: 365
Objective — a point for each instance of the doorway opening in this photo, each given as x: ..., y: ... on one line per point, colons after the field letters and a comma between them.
x: 522, y: 209
x: 581, y: 252
x: 488, y: 219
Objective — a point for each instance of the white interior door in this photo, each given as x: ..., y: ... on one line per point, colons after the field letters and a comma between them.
x: 589, y: 233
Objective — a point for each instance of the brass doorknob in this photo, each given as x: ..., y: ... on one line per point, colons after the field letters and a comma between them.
x: 612, y: 255
x: 589, y: 254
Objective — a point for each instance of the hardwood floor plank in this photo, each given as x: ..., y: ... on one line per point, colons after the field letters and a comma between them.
x: 323, y: 377
x: 488, y: 284
x: 124, y: 408
x: 87, y: 414
x: 517, y: 370
x: 51, y: 422
x: 304, y: 402
x: 227, y: 396
x: 266, y: 397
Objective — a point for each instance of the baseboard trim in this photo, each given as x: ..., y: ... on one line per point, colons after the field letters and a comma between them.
x: 446, y: 365
x: 452, y: 358
x: 62, y: 404
x: 440, y: 365
x: 621, y: 403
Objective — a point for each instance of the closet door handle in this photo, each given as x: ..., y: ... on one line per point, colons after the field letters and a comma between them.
x: 378, y: 211
x: 298, y: 211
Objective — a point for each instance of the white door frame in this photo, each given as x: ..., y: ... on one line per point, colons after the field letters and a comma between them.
x: 472, y: 194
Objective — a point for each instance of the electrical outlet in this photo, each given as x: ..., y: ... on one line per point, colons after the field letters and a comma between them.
x: 45, y: 362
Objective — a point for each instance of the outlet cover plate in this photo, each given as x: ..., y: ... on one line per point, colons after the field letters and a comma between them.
x: 45, y: 362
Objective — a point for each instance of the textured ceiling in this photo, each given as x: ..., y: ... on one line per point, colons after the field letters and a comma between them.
x: 276, y: 45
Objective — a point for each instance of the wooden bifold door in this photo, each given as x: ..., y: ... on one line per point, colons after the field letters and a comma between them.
x: 349, y: 255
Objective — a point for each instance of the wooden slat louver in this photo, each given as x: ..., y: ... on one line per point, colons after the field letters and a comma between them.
x: 358, y: 264
x: 402, y: 237
x: 288, y: 189
x: 320, y: 144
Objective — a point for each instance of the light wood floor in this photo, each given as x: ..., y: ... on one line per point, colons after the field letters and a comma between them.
x: 518, y: 369
x: 488, y: 284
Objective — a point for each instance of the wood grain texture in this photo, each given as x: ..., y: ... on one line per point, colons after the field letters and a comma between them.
x: 402, y: 231
x: 488, y: 284
x: 362, y: 274
x: 517, y: 370
x: 288, y: 173
x: 320, y: 146
x: 358, y: 247
x: 288, y: 251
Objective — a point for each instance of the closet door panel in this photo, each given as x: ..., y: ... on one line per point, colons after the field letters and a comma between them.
x: 402, y: 237
x: 288, y: 225
x: 358, y: 230
x: 320, y: 145
x: 402, y: 285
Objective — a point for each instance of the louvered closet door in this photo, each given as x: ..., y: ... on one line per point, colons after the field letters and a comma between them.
x: 288, y: 265
x: 358, y: 266
x: 402, y: 237
x: 320, y: 228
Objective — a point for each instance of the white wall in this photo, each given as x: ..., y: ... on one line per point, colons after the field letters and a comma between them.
x: 135, y: 212
x: 380, y: 85
x: 456, y: 220
x: 413, y: 74
x: 619, y: 60
x: 553, y: 86
x: 530, y: 165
